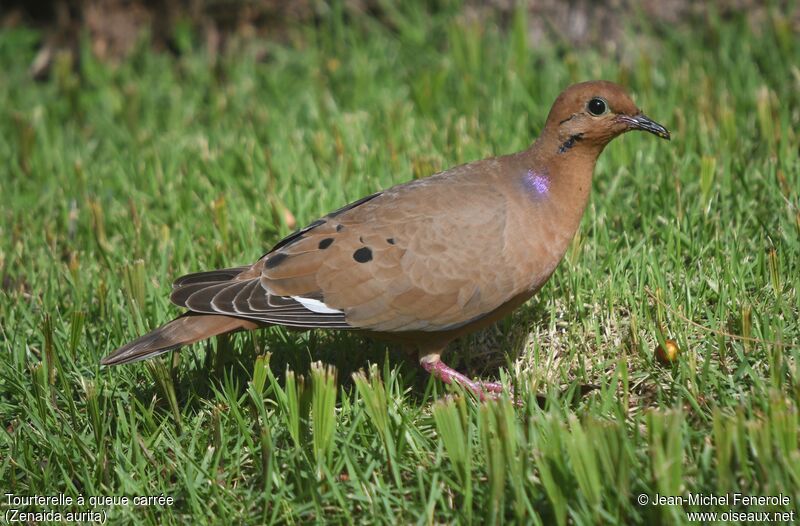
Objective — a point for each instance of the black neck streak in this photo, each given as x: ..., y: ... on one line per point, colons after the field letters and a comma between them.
x: 569, y: 143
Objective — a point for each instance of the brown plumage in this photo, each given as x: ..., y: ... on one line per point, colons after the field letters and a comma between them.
x: 422, y: 262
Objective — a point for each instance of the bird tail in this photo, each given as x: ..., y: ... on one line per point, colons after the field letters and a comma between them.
x: 186, y: 329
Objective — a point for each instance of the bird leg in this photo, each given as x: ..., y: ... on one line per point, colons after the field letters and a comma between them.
x: 435, y: 366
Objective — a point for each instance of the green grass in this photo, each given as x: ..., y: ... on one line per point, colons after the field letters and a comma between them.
x: 118, y: 178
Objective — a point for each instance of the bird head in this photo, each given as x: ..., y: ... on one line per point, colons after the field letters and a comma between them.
x: 593, y: 113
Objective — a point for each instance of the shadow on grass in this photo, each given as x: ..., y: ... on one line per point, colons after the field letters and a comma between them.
x: 206, y: 367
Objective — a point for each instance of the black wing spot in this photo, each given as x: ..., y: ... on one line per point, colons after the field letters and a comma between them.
x: 297, y: 234
x: 294, y: 236
x: 363, y: 255
x: 325, y: 243
x: 275, y: 260
x: 390, y: 240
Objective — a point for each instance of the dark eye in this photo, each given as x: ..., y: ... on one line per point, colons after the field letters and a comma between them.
x: 597, y: 106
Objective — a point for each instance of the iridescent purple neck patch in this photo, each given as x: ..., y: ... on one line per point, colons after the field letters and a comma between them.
x: 536, y: 183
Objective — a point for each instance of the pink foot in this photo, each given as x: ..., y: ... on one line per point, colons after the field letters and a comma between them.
x: 448, y: 375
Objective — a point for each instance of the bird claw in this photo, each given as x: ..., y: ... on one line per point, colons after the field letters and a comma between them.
x: 490, y: 390
x: 483, y: 390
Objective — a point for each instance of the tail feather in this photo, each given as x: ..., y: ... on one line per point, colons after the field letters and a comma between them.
x: 181, y: 331
x: 210, y: 276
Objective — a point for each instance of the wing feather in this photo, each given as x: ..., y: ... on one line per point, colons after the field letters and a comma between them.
x: 429, y: 255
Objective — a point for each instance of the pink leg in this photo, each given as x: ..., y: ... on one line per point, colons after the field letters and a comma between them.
x: 442, y: 371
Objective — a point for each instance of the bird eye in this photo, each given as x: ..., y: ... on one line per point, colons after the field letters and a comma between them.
x: 597, y: 106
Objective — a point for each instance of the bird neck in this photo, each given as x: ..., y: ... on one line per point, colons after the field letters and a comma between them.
x: 550, y: 190
x: 567, y: 163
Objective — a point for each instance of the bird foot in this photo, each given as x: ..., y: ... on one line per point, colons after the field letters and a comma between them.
x: 448, y: 375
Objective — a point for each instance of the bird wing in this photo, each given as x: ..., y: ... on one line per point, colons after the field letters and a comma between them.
x: 425, y: 256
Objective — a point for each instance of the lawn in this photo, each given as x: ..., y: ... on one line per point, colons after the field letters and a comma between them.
x: 119, y: 177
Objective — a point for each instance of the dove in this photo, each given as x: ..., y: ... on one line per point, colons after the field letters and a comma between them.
x: 425, y: 262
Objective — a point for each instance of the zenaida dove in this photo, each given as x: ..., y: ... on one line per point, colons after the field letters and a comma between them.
x: 423, y: 262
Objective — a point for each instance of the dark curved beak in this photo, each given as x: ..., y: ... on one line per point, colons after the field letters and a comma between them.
x: 645, y: 123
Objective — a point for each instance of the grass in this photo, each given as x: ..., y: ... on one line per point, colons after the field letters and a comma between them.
x: 118, y: 178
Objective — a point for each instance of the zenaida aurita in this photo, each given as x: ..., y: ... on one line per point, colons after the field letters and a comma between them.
x: 423, y: 262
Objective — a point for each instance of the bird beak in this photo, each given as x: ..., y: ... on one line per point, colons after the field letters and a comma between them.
x: 643, y: 122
